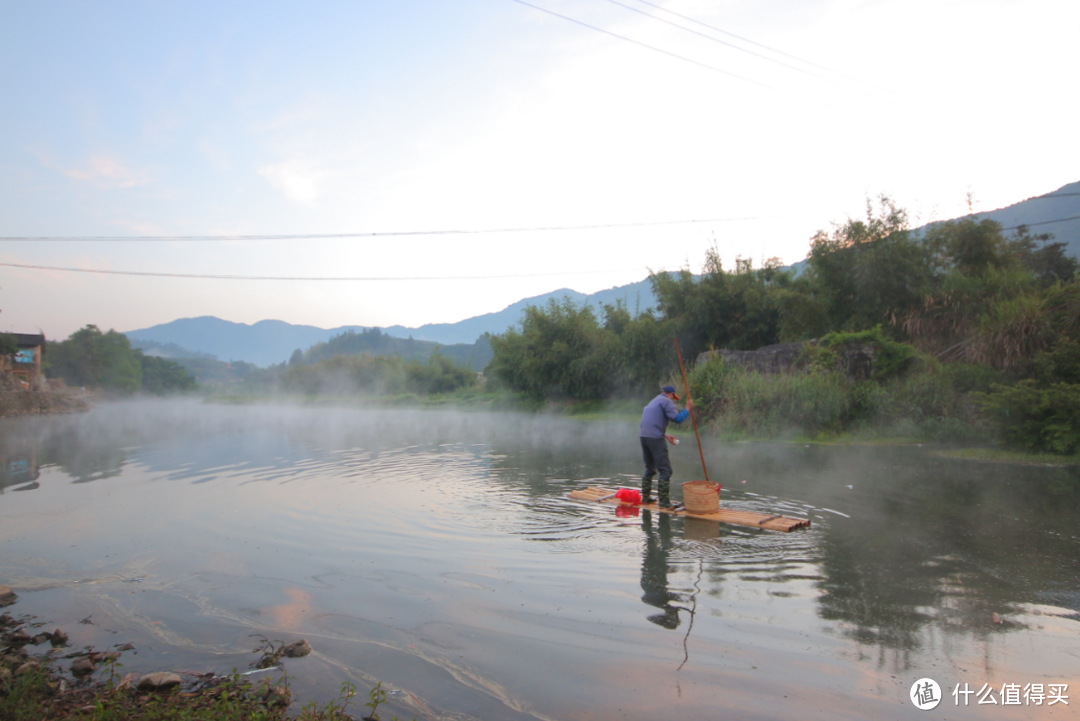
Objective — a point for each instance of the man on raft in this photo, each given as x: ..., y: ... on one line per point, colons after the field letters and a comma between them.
x: 654, y: 421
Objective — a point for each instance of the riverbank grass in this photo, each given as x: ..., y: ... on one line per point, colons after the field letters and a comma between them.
x: 40, y: 694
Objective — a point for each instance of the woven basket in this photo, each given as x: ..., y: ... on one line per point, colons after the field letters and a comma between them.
x: 701, y: 497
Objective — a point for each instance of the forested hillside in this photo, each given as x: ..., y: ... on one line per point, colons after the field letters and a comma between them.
x: 374, y: 342
x: 991, y: 321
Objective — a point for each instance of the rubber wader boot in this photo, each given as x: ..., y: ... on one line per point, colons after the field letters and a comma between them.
x: 665, y: 492
x: 646, y: 489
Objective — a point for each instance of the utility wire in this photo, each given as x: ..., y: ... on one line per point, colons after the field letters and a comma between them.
x: 644, y: 45
x: 748, y: 40
x: 1044, y: 222
x: 219, y: 238
x: 263, y: 277
x: 330, y: 236
x: 718, y: 40
x: 367, y: 279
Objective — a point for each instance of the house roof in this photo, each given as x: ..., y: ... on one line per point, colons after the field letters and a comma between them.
x: 27, y: 340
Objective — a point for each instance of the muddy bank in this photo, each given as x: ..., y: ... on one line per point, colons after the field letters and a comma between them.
x: 15, y: 400
x: 61, y: 682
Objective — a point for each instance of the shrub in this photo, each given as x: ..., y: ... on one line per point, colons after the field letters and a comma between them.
x: 1037, y: 419
x: 891, y: 358
x: 747, y: 403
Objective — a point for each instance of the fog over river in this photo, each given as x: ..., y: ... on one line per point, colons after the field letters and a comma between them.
x: 437, y: 552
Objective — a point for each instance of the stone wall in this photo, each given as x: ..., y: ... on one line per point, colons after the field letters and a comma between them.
x: 768, y: 360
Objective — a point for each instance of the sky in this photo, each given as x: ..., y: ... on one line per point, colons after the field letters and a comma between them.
x: 763, y: 122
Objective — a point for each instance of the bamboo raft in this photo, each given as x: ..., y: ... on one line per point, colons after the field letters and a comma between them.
x: 724, y: 515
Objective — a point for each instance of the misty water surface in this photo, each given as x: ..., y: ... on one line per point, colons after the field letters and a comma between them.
x: 436, y: 552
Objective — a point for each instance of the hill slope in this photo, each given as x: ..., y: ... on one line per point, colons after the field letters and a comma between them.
x: 273, y: 341
x: 1063, y: 203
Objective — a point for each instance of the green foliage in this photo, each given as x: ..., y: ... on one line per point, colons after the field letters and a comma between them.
x: 161, y: 376
x: 722, y: 309
x: 969, y: 245
x: 372, y: 375
x: 107, y: 361
x: 95, y: 359
x: 743, y: 403
x: 438, y: 375
x: 962, y: 309
x: 1037, y: 419
x: 564, y: 352
x: 891, y: 358
x: 9, y: 344
x: 374, y: 342
x: 376, y: 697
x: 1046, y: 261
x: 1059, y: 364
x: 1011, y: 332
x: 35, y: 695
x: 560, y: 352
x: 970, y: 377
x: 639, y: 351
x: 867, y: 270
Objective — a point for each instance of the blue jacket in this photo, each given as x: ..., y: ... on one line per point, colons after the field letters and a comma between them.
x: 655, y: 417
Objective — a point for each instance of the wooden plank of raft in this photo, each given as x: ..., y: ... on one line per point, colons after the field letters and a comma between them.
x: 724, y: 515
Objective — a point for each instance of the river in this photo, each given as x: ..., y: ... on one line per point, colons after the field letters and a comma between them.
x: 437, y: 552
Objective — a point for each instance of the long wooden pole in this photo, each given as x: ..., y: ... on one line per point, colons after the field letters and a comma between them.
x: 693, y: 418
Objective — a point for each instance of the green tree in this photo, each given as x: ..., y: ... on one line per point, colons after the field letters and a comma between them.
x: 161, y: 376
x: 92, y: 358
x: 1046, y: 260
x: 721, y: 309
x: 639, y: 348
x: 438, y: 375
x: 969, y: 245
x: 867, y: 271
x: 560, y: 352
x: 9, y: 344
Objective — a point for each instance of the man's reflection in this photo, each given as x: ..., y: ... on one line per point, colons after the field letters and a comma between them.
x: 654, y: 570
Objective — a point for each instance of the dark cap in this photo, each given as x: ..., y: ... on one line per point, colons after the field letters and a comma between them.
x: 671, y: 390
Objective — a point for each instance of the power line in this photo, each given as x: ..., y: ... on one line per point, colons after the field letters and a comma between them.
x: 370, y: 279
x: 748, y: 40
x: 716, y: 40
x: 301, y: 278
x: 1044, y: 222
x: 482, y: 231
x: 644, y: 45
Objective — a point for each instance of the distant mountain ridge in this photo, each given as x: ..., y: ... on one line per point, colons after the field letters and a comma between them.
x: 273, y: 341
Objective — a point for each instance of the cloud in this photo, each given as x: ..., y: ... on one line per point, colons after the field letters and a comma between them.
x: 108, y: 172
x: 296, y: 179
